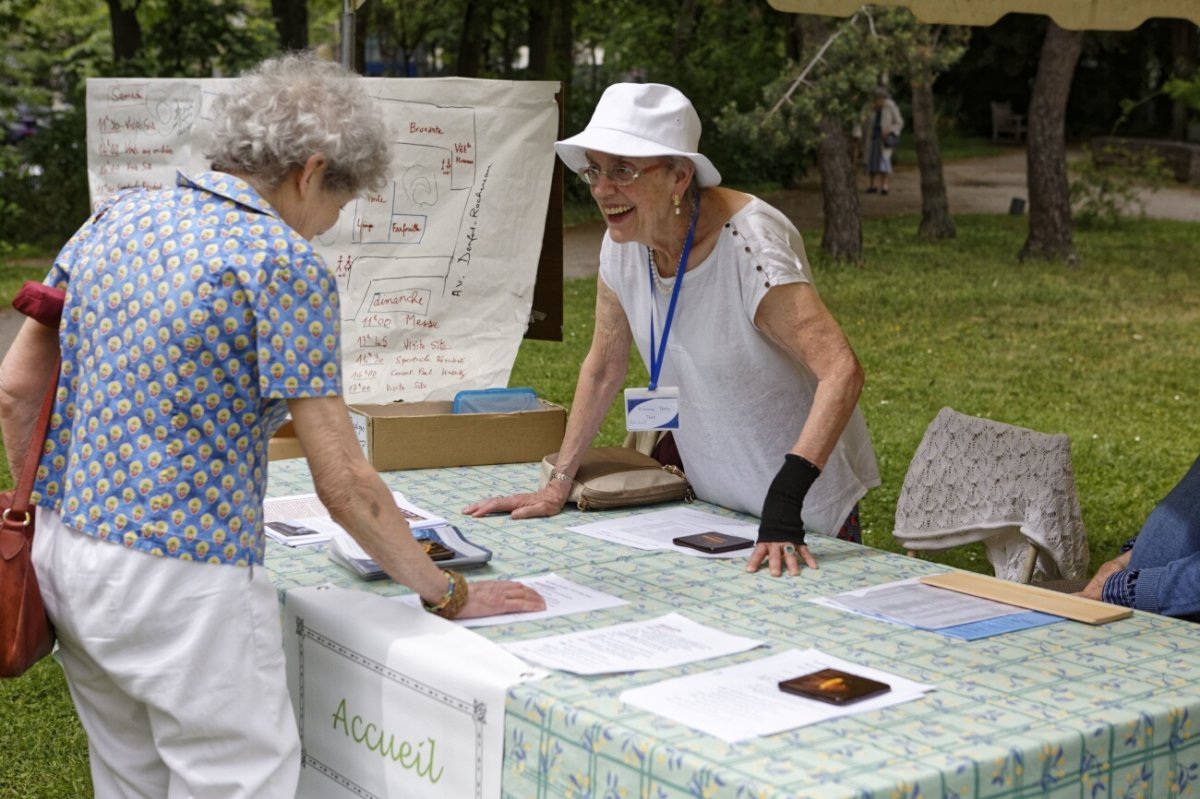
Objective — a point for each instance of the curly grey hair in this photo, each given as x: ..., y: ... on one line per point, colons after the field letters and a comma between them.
x: 292, y: 107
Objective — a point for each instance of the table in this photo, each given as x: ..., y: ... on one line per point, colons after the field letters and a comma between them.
x: 1064, y: 711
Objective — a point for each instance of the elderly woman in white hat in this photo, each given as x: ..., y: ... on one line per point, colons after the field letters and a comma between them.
x: 749, y: 370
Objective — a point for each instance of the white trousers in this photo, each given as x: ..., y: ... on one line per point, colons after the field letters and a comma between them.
x: 176, y: 669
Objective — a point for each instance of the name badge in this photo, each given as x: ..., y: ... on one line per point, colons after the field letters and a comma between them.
x: 652, y: 410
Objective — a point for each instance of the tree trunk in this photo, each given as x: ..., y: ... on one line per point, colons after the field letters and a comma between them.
x: 126, y: 30
x: 793, y: 37
x: 935, y: 208
x: 476, y: 16
x: 1046, y: 157
x: 685, y: 23
x: 291, y: 23
x: 842, y: 237
x: 361, y: 29
x: 551, y: 43
x: 564, y: 42
x: 1183, y: 63
x: 540, y: 14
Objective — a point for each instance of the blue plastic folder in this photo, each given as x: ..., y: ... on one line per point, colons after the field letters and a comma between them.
x: 496, y: 400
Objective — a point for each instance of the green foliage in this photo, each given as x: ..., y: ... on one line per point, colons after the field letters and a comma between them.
x: 193, y: 38
x: 778, y: 134
x: 1108, y: 188
x: 49, y: 48
x: 920, y: 51
x: 43, y: 181
x: 1184, y: 90
x: 716, y: 52
x: 840, y: 65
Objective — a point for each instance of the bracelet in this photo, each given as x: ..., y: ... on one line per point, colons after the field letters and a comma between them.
x: 455, y: 598
x: 563, y: 476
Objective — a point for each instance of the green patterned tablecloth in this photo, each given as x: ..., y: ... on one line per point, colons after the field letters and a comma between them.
x: 1065, y: 711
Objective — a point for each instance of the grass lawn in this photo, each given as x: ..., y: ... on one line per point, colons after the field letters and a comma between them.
x: 1107, y: 353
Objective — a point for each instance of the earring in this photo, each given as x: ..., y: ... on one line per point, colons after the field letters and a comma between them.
x: 675, y: 201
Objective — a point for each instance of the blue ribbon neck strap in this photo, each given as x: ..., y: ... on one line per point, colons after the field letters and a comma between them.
x: 658, y: 353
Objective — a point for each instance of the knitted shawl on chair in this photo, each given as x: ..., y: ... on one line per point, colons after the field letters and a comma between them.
x: 974, y: 480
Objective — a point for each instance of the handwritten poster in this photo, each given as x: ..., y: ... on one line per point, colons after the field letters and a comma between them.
x: 436, y: 271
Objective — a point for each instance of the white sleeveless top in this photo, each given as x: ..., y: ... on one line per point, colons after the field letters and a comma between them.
x: 743, y: 400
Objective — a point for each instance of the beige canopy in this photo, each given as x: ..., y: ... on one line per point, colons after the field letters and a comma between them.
x: 1114, y: 15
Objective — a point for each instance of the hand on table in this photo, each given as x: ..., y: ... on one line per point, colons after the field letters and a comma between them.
x: 494, y: 597
x: 778, y: 554
x: 545, y: 502
x: 781, y: 528
x: 1094, y: 587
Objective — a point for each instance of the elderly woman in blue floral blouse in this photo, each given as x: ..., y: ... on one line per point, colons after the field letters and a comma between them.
x: 197, y: 317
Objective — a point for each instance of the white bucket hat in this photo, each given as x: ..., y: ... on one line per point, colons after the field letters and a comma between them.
x: 639, y: 120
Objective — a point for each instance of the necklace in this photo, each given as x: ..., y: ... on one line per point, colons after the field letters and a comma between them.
x: 660, y: 282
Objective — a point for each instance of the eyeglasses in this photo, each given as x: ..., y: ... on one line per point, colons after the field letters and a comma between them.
x: 619, y: 175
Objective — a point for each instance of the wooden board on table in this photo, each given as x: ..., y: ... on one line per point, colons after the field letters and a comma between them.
x: 1069, y: 606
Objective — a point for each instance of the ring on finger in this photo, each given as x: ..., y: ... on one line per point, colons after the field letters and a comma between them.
x: 788, y: 549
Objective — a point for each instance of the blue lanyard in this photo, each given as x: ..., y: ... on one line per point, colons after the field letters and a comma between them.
x: 658, y: 354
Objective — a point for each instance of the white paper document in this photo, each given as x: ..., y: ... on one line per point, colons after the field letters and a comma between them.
x: 913, y: 603
x: 658, y: 529
x: 301, y: 519
x: 926, y: 607
x: 661, y: 643
x: 740, y: 702
x: 563, y: 597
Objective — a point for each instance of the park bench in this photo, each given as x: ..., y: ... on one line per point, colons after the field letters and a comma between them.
x: 1007, y: 124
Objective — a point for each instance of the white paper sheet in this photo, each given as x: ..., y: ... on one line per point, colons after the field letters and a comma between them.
x: 306, y: 513
x: 563, y: 597
x: 918, y: 605
x: 661, y: 643
x: 744, y: 701
x: 656, y: 530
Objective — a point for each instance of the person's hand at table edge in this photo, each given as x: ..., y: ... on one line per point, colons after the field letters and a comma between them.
x: 494, y: 597
x: 1095, y: 587
x: 778, y: 554
x: 781, y: 527
x: 544, y: 502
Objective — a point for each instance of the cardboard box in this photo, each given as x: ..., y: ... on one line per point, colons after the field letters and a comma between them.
x: 284, y: 444
x: 426, y: 435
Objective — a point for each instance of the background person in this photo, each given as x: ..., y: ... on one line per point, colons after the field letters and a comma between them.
x: 1159, y: 570
x: 881, y: 119
x: 768, y: 383
x: 196, y: 318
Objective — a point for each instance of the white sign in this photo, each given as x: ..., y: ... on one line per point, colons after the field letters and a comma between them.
x: 392, y: 701
x: 436, y: 271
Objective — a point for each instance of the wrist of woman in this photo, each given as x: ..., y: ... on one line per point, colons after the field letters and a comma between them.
x: 451, y: 603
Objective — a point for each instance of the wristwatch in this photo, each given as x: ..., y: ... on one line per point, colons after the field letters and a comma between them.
x: 453, y: 600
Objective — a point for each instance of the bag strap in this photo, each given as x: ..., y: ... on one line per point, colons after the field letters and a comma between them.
x: 33, y: 453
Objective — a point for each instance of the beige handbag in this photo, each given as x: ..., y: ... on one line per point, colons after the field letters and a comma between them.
x: 617, y: 477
